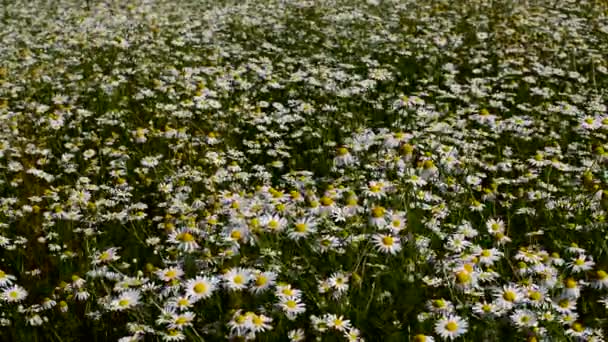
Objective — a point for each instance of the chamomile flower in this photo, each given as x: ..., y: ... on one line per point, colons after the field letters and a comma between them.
x: 107, y: 256
x: 173, y: 335
x: 126, y: 300
x: 486, y: 309
x: 378, y: 216
x: 14, y: 294
x: 581, y: 263
x: 296, y: 335
x: 600, y: 280
x: 537, y: 296
x: 182, y: 320
x: 285, y: 291
x: 572, y: 288
x: 302, y: 228
x: 339, y: 281
x: 184, y: 239
x: 489, y: 256
x: 237, y: 279
x: 337, y: 322
x: 6, y: 279
x: 263, y: 281
x: 180, y: 302
x: 440, y: 306
x: 451, y: 327
x: 259, y: 323
x: 343, y: 157
x: 423, y: 338
x: 508, y: 296
x: 387, y: 243
x: 273, y: 223
x: 523, y: 318
x: 291, y: 306
x: 397, y: 222
x: 495, y: 226
x: 353, y: 335
x: 375, y: 189
x: 169, y: 274
x: 239, y: 324
x: 565, y: 305
x: 201, y: 287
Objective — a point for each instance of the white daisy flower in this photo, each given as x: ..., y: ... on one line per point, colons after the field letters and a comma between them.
x: 201, y: 287
x: 237, y: 279
x: 125, y: 301
x: 14, y: 294
x: 451, y: 327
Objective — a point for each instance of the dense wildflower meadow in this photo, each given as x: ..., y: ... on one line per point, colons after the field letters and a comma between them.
x: 290, y: 170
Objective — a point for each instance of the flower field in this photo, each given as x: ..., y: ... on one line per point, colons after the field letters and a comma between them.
x: 298, y: 170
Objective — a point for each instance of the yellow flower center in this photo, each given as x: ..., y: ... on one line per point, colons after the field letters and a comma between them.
x: 451, y: 326
x: 300, y: 227
x: 485, y: 253
x: 235, y: 234
x: 375, y: 188
x: 257, y: 320
x: 183, y: 302
x: 200, y: 288
x: 342, y: 151
x: 463, y: 277
x: 238, y: 279
x: 273, y: 224
x: 601, y: 274
x: 181, y: 320
x: 261, y: 280
x: 378, y: 212
x: 326, y: 201
x: 123, y: 302
x: 439, y: 303
x: 407, y: 149
x: 291, y: 304
x: 571, y: 283
x: 419, y: 338
x: 509, y: 296
x: 534, y: 295
x: 388, y: 241
x: 185, y: 237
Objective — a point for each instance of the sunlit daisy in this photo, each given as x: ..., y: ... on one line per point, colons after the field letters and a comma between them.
x: 127, y: 300
x: 451, y: 327
x: 201, y: 287
x: 237, y: 278
x: 387, y: 243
